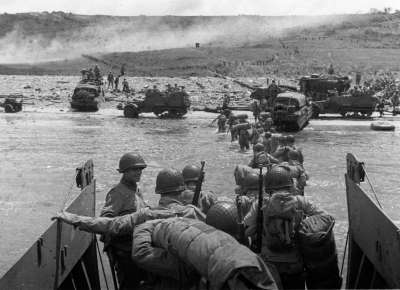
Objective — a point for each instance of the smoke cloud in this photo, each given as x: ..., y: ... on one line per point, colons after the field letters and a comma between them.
x: 117, y: 34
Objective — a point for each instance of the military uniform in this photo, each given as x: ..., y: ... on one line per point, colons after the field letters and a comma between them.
x: 124, y: 198
x: 282, y: 214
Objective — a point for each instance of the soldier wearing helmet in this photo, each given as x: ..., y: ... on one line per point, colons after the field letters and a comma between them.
x: 282, y: 213
x: 281, y: 152
x: 267, y: 142
x: 191, y: 174
x: 124, y: 198
x: 171, y: 187
x: 297, y: 171
x: 261, y: 158
x: 268, y: 123
x: 290, y: 142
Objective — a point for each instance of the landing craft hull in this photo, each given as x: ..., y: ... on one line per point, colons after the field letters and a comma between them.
x: 374, y: 240
x: 62, y: 257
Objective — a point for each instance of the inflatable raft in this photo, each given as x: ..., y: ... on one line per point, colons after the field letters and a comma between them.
x: 382, y: 126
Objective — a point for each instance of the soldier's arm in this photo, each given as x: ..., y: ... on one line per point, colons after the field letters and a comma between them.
x: 113, y: 204
x: 121, y: 225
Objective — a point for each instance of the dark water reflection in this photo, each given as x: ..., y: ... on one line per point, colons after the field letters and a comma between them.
x: 39, y: 153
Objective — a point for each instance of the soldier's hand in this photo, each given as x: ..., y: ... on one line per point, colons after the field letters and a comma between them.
x: 66, y: 217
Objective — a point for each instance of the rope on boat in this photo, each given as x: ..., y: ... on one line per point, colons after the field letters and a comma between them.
x: 101, y: 262
x: 344, y: 253
x: 370, y: 184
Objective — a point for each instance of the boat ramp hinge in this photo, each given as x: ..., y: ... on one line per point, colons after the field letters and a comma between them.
x: 63, y: 255
x: 78, y: 178
x: 39, y: 244
x: 355, y: 170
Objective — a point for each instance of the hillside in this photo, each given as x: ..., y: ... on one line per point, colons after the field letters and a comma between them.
x: 232, y: 45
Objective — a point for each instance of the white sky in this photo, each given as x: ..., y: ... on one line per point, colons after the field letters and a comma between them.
x: 198, y: 7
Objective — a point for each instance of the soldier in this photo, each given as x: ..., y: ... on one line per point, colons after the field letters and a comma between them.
x: 169, y: 88
x: 171, y: 186
x: 281, y: 152
x: 261, y: 158
x: 221, y: 123
x: 124, y: 198
x: 125, y: 86
x: 256, y: 110
x: 191, y: 175
x: 225, y: 102
x: 298, y: 172
x: 232, y: 121
x: 244, y: 139
x: 110, y: 80
x: 267, y: 142
x: 290, y: 142
x: 90, y: 74
x: 176, y: 88
x: 268, y: 123
x: 116, y: 82
x: 331, y: 71
x: 96, y: 72
x: 358, y: 78
x: 282, y: 214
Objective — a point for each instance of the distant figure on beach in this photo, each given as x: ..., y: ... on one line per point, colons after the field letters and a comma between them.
x: 331, y: 71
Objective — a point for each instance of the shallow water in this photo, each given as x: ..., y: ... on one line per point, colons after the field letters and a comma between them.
x: 40, y: 150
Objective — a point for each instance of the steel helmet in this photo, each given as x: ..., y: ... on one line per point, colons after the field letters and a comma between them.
x: 251, y: 182
x: 267, y: 134
x: 191, y: 173
x: 131, y: 160
x: 223, y: 216
x: 169, y: 180
x: 278, y: 177
x: 258, y: 147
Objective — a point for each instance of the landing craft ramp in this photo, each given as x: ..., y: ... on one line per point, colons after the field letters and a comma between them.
x: 374, y: 240
x: 62, y: 257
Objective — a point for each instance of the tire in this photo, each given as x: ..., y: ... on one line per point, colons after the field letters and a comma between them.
x: 9, y: 109
x: 343, y: 112
x: 157, y: 111
x: 131, y: 111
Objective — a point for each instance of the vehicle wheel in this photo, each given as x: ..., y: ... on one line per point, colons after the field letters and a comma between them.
x: 343, y: 113
x: 9, y: 109
x: 157, y: 111
x: 131, y: 111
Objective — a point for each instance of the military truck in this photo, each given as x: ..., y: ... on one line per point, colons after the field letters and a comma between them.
x: 87, y: 97
x: 11, y: 104
x: 330, y: 94
x: 291, y: 111
x: 174, y: 104
x: 267, y: 95
x: 348, y: 104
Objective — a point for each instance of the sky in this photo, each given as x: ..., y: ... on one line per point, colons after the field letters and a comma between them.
x: 198, y: 7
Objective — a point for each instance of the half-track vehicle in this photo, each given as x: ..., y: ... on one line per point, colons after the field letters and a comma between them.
x: 330, y: 94
x: 291, y: 111
x: 87, y: 96
x: 174, y: 104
